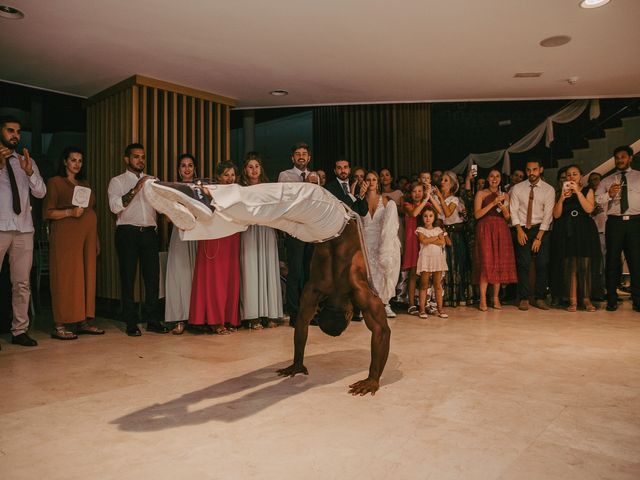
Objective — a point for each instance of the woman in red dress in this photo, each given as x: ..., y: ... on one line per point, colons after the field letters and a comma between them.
x: 493, y: 257
x: 215, y: 291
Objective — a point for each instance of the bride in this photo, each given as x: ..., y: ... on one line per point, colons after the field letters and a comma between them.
x: 381, y: 238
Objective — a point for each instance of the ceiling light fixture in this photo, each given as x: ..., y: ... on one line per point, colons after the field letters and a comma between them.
x: 527, y: 75
x: 555, y: 41
x: 10, y: 12
x: 593, y: 3
x: 279, y: 93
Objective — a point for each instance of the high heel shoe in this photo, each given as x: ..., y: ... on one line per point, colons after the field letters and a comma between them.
x: 588, y: 306
x: 496, y: 303
x: 178, y: 329
x: 573, y: 305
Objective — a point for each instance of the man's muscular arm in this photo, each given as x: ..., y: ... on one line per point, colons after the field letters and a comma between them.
x: 308, y: 307
x: 299, y: 344
x: 376, y: 320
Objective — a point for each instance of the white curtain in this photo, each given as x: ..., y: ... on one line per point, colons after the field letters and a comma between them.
x: 531, y: 139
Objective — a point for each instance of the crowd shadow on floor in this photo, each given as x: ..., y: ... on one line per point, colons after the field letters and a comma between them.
x: 324, y: 369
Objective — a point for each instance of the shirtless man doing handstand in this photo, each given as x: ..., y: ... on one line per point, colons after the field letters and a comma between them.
x: 338, y: 274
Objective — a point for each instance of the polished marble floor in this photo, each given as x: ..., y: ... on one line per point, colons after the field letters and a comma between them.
x: 496, y: 395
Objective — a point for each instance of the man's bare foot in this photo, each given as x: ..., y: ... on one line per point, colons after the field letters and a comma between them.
x: 364, y: 386
x: 292, y: 370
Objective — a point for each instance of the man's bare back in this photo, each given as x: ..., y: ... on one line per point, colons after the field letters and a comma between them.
x: 338, y: 280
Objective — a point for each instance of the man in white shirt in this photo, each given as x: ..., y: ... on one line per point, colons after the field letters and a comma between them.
x: 531, y: 210
x: 620, y: 193
x: 298, y: 252
x: 136, y: 240
x: 19, y: 176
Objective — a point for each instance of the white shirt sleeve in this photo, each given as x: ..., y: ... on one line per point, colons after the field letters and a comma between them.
x: 602, y: 194
x: 115, y: 195
x: 514, y: 206
x: 547, y: 212
x: 36, y: 183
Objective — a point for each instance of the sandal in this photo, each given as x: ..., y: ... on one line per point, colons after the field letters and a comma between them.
x: 412, y: 310
x: 256, y: 326
x: 231, y: 329
x: 442, y: 315
x: 84, y: 328
x: 61, y: 334
x: 482, y: 308
x: 496, y: 303
x: 423, y: 315
x: 271, y: 324
x: 572, y: 307
x: 221, y: 331
x: 589, y: 307
x: 178, y: 329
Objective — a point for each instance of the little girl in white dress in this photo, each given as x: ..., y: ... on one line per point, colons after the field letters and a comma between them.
x: 432, y: 260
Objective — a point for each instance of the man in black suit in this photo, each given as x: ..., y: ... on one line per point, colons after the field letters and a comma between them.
x: 341, y: 189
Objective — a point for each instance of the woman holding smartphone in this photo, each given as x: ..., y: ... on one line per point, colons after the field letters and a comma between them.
x: 575, y: 243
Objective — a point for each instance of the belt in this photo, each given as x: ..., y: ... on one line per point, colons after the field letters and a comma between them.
x: 624, y: 217
x: 138, y: 228
x: 575, y: 213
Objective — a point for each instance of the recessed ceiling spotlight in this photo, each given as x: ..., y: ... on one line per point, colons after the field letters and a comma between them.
x: 593, y: 3
x: 279, y: 93
x: 556, y: 41
x: 10, y: 12
x: 527, y: 75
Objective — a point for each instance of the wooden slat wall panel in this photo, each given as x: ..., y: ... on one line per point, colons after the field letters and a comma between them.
x: 167, y: 123
x: 373, y: 136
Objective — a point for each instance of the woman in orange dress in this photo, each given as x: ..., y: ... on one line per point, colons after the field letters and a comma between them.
x: 73, y: 247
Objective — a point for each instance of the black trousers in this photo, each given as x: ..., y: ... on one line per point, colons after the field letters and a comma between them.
x: 524, y: 258
x: 298, y: 262
x: 135, y: 244
x: 622, y: 236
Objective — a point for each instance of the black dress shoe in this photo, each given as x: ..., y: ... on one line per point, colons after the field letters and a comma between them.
x: 134, y: 331
x: 24, y: 340
x: 156, y: 327
x: 612, y: 307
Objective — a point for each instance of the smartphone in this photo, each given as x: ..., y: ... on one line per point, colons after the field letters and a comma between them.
x: 566, y: 186
x: 474, y: 170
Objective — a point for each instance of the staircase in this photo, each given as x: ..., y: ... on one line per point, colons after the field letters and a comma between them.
x: 600, y: 149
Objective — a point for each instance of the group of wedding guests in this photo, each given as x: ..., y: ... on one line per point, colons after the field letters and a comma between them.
x: 450, y: 236
x: 527, y: 233
x: 212, y: 286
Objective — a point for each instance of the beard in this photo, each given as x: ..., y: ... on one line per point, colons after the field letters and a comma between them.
x: 12, y: 144
x: 622, y: 167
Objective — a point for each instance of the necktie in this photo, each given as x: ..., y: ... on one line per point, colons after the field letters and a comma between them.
x: 624, y: 194
x: 14, y: 188
x: 345, y: 188
x: 530, y: 207
x: 303, y: 174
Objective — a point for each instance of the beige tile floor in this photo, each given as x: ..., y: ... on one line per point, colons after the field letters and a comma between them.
x: 495, y: 395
